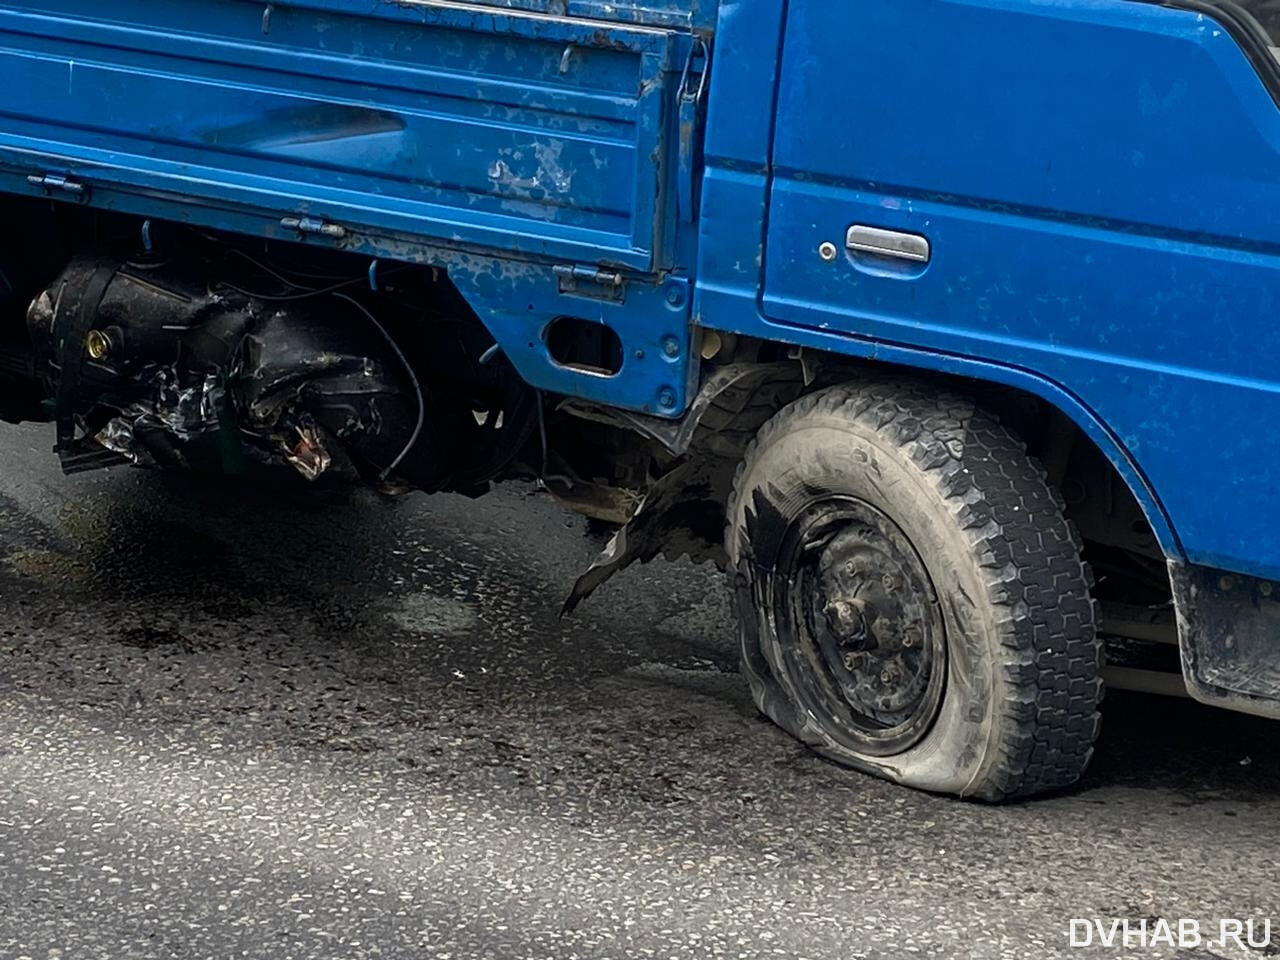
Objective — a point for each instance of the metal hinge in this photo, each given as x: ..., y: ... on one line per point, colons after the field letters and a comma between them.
x: 697, y: 71
x: 592, y: 282
x: 308, y: 225
x: 54, y: 181
x: 689, y: 101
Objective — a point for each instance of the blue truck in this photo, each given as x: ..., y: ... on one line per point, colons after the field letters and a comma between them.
x: 948, y: 328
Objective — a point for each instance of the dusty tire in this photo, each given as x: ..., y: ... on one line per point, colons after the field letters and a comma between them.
x: 911, y: 599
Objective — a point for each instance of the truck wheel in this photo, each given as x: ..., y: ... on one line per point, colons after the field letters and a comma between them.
x: 911, y: 598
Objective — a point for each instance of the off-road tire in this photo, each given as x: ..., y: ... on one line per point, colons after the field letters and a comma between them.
x: 1018, y: 711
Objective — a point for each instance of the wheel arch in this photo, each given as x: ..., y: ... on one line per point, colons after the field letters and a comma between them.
x: 746, y: 366
x: 994, y: 383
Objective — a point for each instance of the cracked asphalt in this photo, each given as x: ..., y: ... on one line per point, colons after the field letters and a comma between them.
x: 247, y: 720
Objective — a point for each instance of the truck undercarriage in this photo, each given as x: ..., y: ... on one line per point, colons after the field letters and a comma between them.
x: 159, y: 345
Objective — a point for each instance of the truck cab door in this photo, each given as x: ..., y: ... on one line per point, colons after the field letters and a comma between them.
x: 1084, y: 193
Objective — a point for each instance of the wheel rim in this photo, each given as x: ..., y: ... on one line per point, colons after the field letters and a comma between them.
x: 862, y: 637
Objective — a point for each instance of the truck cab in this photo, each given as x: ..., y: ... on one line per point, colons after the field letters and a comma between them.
x: 943, y: 326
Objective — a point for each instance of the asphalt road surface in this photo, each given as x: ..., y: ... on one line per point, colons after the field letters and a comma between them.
x: 285, y: 723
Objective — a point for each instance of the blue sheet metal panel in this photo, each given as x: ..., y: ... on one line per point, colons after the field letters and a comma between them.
x: 518, y: 302
x: 528, y: 133
x: 740, y: 119
x: 1099, y: 184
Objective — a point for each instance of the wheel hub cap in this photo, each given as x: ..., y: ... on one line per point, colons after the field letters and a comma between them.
x: 869, y: 647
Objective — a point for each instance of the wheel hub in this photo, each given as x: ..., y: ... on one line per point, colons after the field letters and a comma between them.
x: 870, y: 637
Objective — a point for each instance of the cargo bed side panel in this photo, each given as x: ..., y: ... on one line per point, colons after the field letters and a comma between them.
x: 448, y: 123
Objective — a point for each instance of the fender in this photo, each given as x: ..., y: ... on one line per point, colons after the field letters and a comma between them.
x: 737, y: 311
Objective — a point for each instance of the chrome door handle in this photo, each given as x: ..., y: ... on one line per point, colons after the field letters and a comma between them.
x: 888, y: 243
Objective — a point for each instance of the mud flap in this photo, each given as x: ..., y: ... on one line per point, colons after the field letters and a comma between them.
x: 1229, y: 635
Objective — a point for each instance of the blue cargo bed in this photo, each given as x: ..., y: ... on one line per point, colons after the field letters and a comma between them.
x: 538, y: 128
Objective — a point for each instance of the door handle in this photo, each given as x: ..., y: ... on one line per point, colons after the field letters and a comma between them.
x: 893, y: 244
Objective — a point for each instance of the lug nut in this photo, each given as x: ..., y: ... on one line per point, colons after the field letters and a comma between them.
x: 97, y: 344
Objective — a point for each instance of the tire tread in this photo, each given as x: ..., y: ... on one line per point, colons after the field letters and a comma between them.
x: 1029, y: 555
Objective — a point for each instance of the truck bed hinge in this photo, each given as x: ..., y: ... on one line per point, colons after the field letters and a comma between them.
x: 314, y: 226
x: 51, y: 182
x: 689, y: 101
x: 585, y: 281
